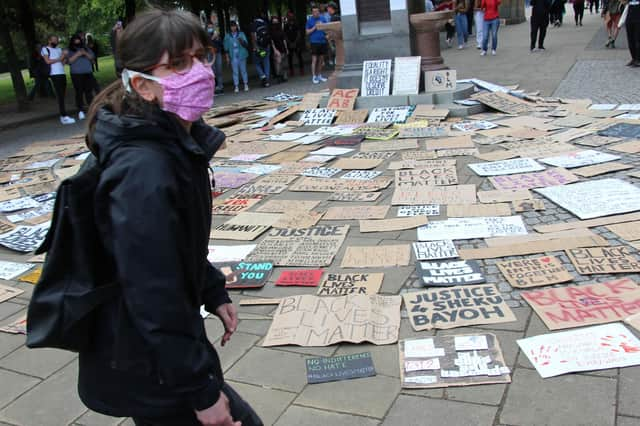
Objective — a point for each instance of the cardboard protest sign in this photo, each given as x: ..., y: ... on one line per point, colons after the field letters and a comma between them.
x: 342, y: 367
x: 288, y: 136
x: 579, y: 159
x: 603, y: 260
x: 245, y: 226
x: 473, y: 126
x: 7, y: 292
x: 297, y: 219
x: 458, y: 142
x: 283, y: 206
x: 423, y: 132
x: 521, y: 249
x: 352, y: 117
x: 387, y: 145
x: 361, y: 174
x: 31, y: 277
x: 600, y: 169
x: 632, y: 147
x: 322, y: 321
x: 578, y: 224
x: 397, y: 224
x: 309, y: 184
x: 332, y: 151
x: 318, y: 116
x: 257, y: 188
x: 261, y: 169
x: 440, y: 81
x: 596, y: 140
x: 457, y: 152
x: 537, y: 149
x: 376, y: 78
x: 539, y: 271
x: 421, y: 164
x: 18, y: 326
x: 25, y: 238
x: 501, y: 241
x: 354, y: 196
x: 634, y: 321
x: 430, y: 250
x: 449, y: 361
x: 473, y: 227
x: 448, y: 274
x: 318, y: 158
x: 300, y: 277
x: 527, y: 205
x: 233, y: 207
x: 344, y: 284
x: 506, y: 167
x: 456, y: 307
x: 356, y: 164
x: 312, y: 247
x: 575, y: 120
x: 18, y: 204
x: 241, y: 275
x: 504, y: 102
x: 389, y: 114
x: 549, y: 177
x: 426, y: 177
x: 454, y: 194
x: 406, y: 75
x: 575, y: 306
x: 377, y: 256
x: 373, y: 155
x: 225, y: 254
x: 419, y: 210
x: 11, y: 270
x: 606, y: 197
x: 356, y: 212
x: 587, y: 349
x: 629, y: 231
x: 344, y: 140
x: 342, y: 99
x: 321, y: 172
x: 478, y: 210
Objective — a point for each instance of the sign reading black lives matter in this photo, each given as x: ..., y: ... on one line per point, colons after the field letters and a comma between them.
x: 343, y: 367
x: 448, y: 274
x: 376, y: 78
x: 318, y: 117
x: 457, y: 307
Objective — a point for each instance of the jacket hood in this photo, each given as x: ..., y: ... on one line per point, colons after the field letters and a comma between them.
x: 112, y: 131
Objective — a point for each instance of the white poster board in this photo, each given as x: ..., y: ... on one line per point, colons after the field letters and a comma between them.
x: 579, y: 159
x: 440, y: 81
x: 586, y: 349
x: 506, y: 167
x: 472, y: 227
x: 406, y: 75
x: 389, y: 114
x: 318, y: 116
x: 376, y: 78
x: 605, y: 197
x: 432, y: 250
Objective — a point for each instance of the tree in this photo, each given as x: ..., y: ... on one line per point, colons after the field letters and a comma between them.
x: 8, y: 16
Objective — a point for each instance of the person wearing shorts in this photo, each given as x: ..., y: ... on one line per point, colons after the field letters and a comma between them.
x: 319, y: 45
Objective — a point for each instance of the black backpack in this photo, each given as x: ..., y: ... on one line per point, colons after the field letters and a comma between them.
x: 77, y: 276
x: 263, y: 38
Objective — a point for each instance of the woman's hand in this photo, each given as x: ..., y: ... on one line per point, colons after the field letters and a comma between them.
x: 218, y: 414
x: 229, y: 317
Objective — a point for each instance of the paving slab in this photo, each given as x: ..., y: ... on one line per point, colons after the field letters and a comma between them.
x: 296, y: 415
x: 257, y: 327
x: 235, y: 349
x: 627, y: 421
x: 564, y: 400
x: 385, y: 357
x: 522, y: 316
x: 268, y: 403
x: 14, y: 385
x: 415, y: 411
x: 91, y: 418
x: 9, y: 308
x: 629, y: 385
x: 37, y: 362
x: 371, y: 396
x: 507, y: 340
x: 267, y: 367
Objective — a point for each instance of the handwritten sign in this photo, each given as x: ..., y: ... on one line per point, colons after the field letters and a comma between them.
x: 440, y: 81
x: 472, y: 227
x: 311, y: 247
x: 321, y: 172
x: 10, y: 270
x: 377, y: 256
x: 261, y: 189
x: 376, y: 78
x: 454, y: 194
x: 429, y: 250
x: 575, y: 306
x: 396, y: 145
x: 361, y: 174
x: 478, y: 210
x: 283, y: 206
x: 426, y: 177
x: 7, y: 292
x: 300, y: 277
x: 419, y: 210
x: 549, y: 177
x: 241, y: 275
x: 354, y: 196
x: 19, y: 326
x: 234, y: 206
x: 18, y: 204
x: 504, y: 102
x: 579, y: 159
x: 539, y: 271
x: 389, y: 114
x: 447, y: 274
x: 245, y: 226
x: 374, y: 155
x: 456, y: 307
x: 25, y: 238
x: 603, y: 260
x: 356, y: 164
x: 356, y: 212
x: 322, y: 321
x: 406, y: 75
x: 599, y: 169
x: 592, y: 348
x: 342, y: 99
x: 342, y: 367
x: 606, y: 197
x: 423, y: 132
x: 395, y: 224
x: 318, y: 116
x: 344, y: 284
x: 310, y: 184
x: 506, y: 167
x: 352, y: 117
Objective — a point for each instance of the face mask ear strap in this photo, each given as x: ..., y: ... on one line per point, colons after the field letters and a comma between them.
x: 127, y: 75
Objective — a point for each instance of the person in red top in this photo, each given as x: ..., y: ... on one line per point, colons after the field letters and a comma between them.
x: 491, y: 25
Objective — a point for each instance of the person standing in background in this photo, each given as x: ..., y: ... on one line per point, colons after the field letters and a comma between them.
x: 81, y: 65
x: 261, y: 40
x: 478, y: 16
x: 633, y: 32
x: 39, y: 71
x: 613, y: 12
x: 428, y: 6
x: 213, y: 32
x: 540, y: 10
x: 55, y: 57
x: 319, y: 45
x: 294, y: 41
x: 236, y: 47
x: 461, y: 23
x: 279, y: 49
x: 92, y: 44
x: 470, y: 9
x: 595, y: 3
x: 491, y: 25
x: 578, y: 11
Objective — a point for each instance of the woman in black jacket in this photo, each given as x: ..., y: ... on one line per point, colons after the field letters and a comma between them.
x: 150, y: 358
x: 540, y: 10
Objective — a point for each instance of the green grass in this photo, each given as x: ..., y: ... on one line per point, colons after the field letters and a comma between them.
x: 105, y: 76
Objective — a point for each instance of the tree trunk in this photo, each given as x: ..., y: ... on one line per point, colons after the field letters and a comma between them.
x: 129, y: 10
x: 27, y: 23
x: 14, y: 68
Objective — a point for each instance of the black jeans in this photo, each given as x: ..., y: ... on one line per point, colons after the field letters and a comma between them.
x: 633, y: 38
x: 295, y: 52
x: 41, y: 87
x: 578, y: 11
x: 83, y: 86
x: 538, y: 30
x: 60, y: 87
x: 595, y: 3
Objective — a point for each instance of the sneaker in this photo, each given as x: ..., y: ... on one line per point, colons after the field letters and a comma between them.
x: 478, y: 47
x: 246, y: 87
x: 630, y: 63
x: 315, y: 80
x: 67, y: 120
x: 493, y: 52
x: 236, y: 89
x: 219, y: 91
x: 321, y: 78
x: 483, y: 53
x: 81, y: 115
x: 460, y: 46
x: 542, y: 49
x: 533, y: 50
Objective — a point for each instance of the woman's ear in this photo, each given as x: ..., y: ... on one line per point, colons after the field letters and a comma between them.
x: 144, y: 88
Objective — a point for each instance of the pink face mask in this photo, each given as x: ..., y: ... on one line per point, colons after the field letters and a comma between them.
x: 187, y: 95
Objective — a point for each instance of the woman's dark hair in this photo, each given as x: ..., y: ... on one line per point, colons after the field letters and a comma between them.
x: 72, y: 42
x: 140, y: 46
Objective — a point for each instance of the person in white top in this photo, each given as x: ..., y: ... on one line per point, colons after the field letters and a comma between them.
x: 55, y: 58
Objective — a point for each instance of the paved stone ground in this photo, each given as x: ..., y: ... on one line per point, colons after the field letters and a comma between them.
x: 39, y: 387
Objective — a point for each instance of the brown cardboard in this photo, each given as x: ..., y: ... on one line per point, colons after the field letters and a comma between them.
x: 356, y: 212
x: 356, y: 164
x: 478, y: 210
x: 426, y: 177
x: 451, y: 307
x: 421, y: 164
x: 312, y: 321
x: 534, y: 272
x: 311, y: 184
x: 577, y: 306
x: 390, y: 145
x: 500, y: 196
x: 354, y: 196
x: 497, y: 155
x: 284, y: 115
x: 458, y: 142
x: 233, y: 207
x: 284, y: 156
x: 528, y: 205
x: 343, y: 99
x: 259, y: 302
x: 352, y: 117
x: 276, y: 179
x: 600, y: 169
x: 632, y: 147
x: 7, y: 292
x: 504, y: 102
x: 457, y: 152
x: 396, y: 224
x: 417, y: 156
x: 283, y: 206
x: 629, y: 231
x: 298, y: 219
x: 454, y: 194
x: 521, y: 239
x: 603, y: 260
x: 377, y: 256
x: 634, y: 321
x: 549, y: 177
x: 609, y: 220
x: 533, y: 247
x: 344, y: 284
x: 245, y: 226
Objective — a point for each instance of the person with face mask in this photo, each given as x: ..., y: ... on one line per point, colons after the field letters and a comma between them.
x: 149, y: 357
x: 55, y: 58
x: 237, y: 47
x: 213, y: 31
x: 81, y: 65
x: 279, y: 49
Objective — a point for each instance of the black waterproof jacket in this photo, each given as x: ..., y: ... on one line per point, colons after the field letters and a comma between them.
x: 150, y: 355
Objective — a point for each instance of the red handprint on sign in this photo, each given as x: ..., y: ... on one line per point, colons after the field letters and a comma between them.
x: 619, y: 343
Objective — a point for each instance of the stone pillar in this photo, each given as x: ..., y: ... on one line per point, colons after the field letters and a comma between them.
x: 425, y: 40
x: 512, y: 11
x: 334, y: 33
